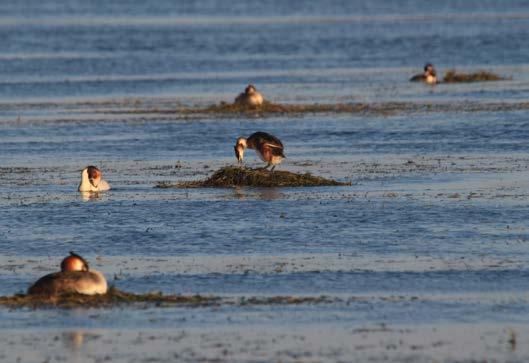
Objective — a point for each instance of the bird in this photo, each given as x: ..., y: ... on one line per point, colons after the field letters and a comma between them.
x: 91, y: 180
x: 428, y: 76
x: 75, y: 277
x: 268, y: 147
x: 250, y: 97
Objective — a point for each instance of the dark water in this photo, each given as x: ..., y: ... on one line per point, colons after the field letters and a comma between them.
x: 433, y: 229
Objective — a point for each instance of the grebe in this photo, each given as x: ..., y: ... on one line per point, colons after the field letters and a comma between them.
x: 250, y: 97
x: 429, y: 75
x: 268, y: 147
x: 91, y: 180
x: 74, y: 277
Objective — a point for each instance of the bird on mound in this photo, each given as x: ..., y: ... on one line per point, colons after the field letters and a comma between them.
x: 75, y: 277
x: 250, y: 97
x: 91, y: 180
x: 268, y: 147
x: 428, y: 76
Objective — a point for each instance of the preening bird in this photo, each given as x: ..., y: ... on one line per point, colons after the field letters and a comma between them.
x: 268, y: 147
x: 91, y: 180
x: 75, y: 277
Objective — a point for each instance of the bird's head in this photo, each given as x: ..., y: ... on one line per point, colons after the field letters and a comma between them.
x: 240, y: 146
x: 74, y: 262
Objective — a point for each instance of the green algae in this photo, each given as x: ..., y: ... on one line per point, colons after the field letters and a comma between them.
x: 232, y: 176
x: 452, y: 76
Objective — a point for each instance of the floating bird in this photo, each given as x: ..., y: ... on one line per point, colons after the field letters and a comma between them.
x: 268, y: 147
x: 91, y: 180
x: 250, y: 97
x: 75, y: 277
x: 429, y: 75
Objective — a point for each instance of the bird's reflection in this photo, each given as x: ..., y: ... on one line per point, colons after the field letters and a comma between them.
x: 239, y: 193
x: 73, y: 340
x: 243, y: 193
x: 87, y: 196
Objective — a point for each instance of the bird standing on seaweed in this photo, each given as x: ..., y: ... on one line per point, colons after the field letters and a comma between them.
x: 268, y: 147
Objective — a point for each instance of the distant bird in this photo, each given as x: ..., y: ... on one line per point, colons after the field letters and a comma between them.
x: 91, y: 180
x: 428, y: 76
x: 74, y: 277
x: 250, y: 97
x: 268, y: 147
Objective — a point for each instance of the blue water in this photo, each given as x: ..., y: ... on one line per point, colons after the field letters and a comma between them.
x: 436, y: 212
x: 461, y: 204
x: 206, y: 51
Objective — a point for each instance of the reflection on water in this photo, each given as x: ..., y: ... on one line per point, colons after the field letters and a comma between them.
x: 88, y: 196
x: 436, y: 217
x: 74, y: 340
x: 269, y: 193
x: 327, y: 52
x: 242, y: 193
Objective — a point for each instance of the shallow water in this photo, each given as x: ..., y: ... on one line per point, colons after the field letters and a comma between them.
x: 441, y: 224
x: 429, y: 244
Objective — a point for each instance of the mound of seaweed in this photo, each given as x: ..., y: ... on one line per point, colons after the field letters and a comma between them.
x: 238, y: 107
x: 113, y: 297
x: 275, y: 108
x: 116, y: 298
x: 231, y: 176
x: 452, y: 76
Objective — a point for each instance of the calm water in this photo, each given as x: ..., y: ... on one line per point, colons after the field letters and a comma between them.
x: 438, y: 207
x: 297, y: 51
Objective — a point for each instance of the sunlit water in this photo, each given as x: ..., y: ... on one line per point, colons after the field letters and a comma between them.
x: 432, y: 230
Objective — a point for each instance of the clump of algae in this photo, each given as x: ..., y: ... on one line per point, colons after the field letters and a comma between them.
x: 275, y: 108
x: 452, y: 76
x: 117, y: 298
x: 231, y: 176
x: 112, y: 298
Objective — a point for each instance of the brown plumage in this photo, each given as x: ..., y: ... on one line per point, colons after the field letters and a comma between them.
x: 250, y: 97
x: 93, y: 172
x: 268, y: 147
x: 74, y: 277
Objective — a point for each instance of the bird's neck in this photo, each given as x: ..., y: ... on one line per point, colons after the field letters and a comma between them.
x: 250, y: 144
x: 85, y: 183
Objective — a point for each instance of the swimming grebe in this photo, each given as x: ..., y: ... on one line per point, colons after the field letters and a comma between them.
x: 429, y: 75
x: 250, y: 97
x: 75, y: 277
x: 268, y: 147
x: 91, y: 180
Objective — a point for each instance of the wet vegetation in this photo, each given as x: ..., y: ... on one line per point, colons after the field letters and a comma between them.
x: 269, y: 107
x: 113, y: 297
x: 452, y: 76
x: 232, y: 176
x: 171, y: 112
x: 117, y: 298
